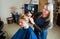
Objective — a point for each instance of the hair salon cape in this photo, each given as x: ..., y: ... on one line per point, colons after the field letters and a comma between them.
x: 24, y: 34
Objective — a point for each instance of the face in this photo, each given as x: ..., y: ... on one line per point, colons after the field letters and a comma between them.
x: 29, y: 14
x: 22, y: 23
x: 45, y: 13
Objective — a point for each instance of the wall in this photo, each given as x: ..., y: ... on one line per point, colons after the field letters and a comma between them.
x: 35, y: 2
x: 0, y: 8
x: 5, y: 5
x: 50, y: 7
x: 41, y: 4
x: 59, y: 0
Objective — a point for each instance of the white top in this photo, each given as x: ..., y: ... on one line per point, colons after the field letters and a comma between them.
x: 26, y: 27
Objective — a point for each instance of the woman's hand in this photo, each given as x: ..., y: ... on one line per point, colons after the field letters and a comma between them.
x: 31, y: 20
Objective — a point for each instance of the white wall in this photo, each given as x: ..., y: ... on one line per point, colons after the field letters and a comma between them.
x: 50, y: 7
x: 35, y: 2
x: 0, y: 8
x: 58, y: 0
x: 6, y: 4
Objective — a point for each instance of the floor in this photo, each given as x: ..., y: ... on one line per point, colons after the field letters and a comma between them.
x: 11, y: 29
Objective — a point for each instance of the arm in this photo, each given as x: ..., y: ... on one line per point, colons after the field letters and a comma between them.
x: 34, y: 25
x: 37, y: 27
x: 46, y: 25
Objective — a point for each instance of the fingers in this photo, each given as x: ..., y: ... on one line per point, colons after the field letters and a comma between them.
x: 32, y: 21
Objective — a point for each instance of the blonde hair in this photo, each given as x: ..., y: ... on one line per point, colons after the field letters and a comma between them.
x: 23, y: 16
x: 21, y: 20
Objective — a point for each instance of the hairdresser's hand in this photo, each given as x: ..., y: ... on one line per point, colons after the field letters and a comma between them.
x: 32, y: 21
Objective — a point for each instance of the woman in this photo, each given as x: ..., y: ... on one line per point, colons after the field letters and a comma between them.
x: 43, y: 23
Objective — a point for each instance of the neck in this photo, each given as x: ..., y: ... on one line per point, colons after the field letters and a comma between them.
x: 26, y: 27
